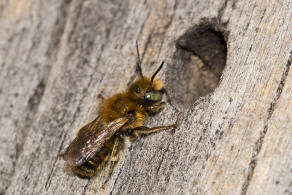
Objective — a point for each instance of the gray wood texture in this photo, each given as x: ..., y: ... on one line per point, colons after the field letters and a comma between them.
x: 56, y: 57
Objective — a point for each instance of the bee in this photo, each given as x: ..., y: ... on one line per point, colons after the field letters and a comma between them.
x: 123, y: 114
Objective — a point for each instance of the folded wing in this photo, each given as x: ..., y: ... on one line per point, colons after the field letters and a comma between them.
x: 91, y: 138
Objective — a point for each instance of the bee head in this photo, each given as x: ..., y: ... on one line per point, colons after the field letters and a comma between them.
x: 147, y: 89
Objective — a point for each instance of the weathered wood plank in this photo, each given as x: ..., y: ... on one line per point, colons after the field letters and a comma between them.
x: 28, y: 48
x: 57, y: 56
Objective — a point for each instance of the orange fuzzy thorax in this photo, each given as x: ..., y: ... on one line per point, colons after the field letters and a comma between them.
x: 120, y: 104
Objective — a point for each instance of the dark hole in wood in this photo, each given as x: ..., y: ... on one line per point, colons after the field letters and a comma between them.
x: 197, y: 65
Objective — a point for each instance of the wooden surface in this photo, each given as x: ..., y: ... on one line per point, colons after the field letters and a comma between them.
x: 56, y: 57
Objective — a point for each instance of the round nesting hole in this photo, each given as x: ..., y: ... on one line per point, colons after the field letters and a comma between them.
x: 197, y: 64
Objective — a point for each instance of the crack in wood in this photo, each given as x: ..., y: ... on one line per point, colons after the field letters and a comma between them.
x: 60, y: 26
x: 221, y: 11
x: 48, y: 181
x: 33, y: 104
x: 35, y: 99
x: 259, y: 142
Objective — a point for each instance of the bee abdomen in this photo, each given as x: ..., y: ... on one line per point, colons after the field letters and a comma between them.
x: 91, y: 167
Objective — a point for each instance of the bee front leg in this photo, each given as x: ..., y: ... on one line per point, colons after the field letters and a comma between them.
x: 155, y: 107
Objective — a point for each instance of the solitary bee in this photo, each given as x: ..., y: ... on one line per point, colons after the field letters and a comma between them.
x: 121, y: 115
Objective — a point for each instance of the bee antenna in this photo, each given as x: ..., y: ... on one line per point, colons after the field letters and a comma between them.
x: 139, y: 62
x: 153, y: 76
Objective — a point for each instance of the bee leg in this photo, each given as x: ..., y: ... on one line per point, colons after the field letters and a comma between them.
x: 114, y: 153
x: 155, y: 108
x: 113, y: 157
x: 147, y: 130
x: 133, y: 136
x: 142, y: 130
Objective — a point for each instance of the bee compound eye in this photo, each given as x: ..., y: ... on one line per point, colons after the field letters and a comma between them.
x: 153, y: 96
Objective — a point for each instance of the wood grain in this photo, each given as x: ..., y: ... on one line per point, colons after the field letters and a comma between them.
x: 57, y: 57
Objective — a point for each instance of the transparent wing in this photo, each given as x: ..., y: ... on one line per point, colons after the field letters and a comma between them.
x: 90, y: 140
